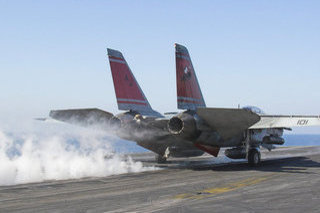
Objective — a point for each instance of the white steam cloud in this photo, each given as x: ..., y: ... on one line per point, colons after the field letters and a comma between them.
x: 54, y: 152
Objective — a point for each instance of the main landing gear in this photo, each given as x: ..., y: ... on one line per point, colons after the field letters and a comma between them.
x: 160, y: 159
x: 251, y: 153
x: 252, y: 149
x: 253, y: 157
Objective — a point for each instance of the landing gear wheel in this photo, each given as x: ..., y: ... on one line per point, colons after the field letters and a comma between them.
x: 254, y: 157
x: 160, y: 159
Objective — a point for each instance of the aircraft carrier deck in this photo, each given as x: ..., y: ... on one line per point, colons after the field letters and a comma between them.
x: 288, y: 180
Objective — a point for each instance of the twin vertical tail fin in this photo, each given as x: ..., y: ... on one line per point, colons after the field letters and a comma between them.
x: 131, y: 97
x: 128, y: 92
x: 189, y: 94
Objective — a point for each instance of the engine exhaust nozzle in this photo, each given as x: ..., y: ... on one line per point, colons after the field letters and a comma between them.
x: 175, y: 125
x: 183, y: 125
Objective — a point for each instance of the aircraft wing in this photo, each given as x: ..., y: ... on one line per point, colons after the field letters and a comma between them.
x: 286, y: 121
x: 83, y: 117
x: 228, y: 122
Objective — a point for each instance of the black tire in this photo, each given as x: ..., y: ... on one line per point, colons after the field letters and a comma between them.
x: 160, y: 159
x: 254, y: 157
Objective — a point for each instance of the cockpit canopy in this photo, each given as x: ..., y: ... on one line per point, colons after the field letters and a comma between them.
x: 254, y: 109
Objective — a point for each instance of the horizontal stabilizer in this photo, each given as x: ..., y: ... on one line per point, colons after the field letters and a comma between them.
x: 286, y: 121
x: 228, y: 122
x: 83, y: 117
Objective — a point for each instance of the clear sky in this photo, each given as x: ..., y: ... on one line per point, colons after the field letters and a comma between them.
x: 263, y: 53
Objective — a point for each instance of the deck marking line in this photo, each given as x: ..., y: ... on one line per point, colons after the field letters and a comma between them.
x: 219, y: 190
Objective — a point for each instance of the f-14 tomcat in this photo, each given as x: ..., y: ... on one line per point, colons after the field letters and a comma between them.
x: 195, y: 130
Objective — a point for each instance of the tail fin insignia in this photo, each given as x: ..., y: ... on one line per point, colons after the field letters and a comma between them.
x: 189, y: 94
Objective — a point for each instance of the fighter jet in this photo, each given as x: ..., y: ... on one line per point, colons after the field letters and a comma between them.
x: 193, y: 131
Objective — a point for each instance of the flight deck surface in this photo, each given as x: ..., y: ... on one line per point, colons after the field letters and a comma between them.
x: 288, y: 180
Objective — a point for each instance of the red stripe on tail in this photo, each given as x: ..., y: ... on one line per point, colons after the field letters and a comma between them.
x: 128, y: 92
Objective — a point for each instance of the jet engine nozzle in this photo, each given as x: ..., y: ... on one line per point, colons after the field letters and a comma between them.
x: 183, y: 125
x: 175, y: 125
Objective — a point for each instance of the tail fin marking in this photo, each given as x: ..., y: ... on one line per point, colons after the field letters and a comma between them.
x: 128, y: 92
x: 189, y: 94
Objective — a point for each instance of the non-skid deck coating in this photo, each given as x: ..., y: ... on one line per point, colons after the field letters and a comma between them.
x: 288, y: 180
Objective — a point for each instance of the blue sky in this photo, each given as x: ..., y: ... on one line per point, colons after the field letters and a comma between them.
x: 263, y: 53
